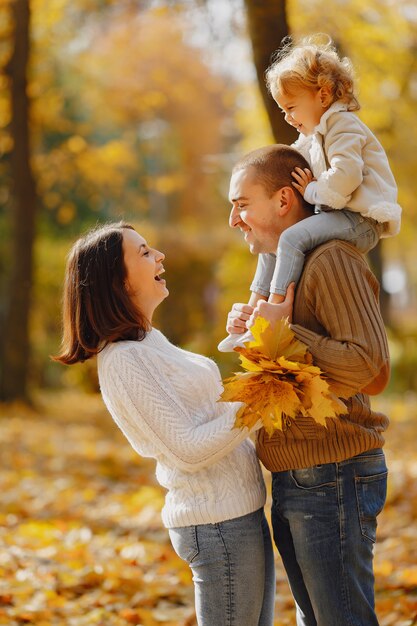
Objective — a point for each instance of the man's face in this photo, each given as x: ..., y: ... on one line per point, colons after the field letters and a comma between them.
x: 254, y: 212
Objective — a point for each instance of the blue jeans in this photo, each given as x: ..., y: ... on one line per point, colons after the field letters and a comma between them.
x: 275, y: 272
x: 233, y: 570
x: 324, y: 524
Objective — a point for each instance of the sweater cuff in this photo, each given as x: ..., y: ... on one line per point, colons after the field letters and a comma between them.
x: 310, y: 192
x: 308, y: 337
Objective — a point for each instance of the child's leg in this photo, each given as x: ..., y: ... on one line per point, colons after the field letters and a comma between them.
x: 364, y: 232
x: 305, y: 235
x: 276, y: 298
x: 263, y: 275
x: 254, y: 297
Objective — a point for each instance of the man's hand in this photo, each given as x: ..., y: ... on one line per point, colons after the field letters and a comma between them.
x: 274, y: 312
x: 302, y: 177
x: 238, y: 317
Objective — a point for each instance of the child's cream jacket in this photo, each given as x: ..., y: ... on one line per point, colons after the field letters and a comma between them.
x: 351, y: 169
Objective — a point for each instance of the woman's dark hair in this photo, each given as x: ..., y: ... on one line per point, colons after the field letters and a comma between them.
x: 97, y: 309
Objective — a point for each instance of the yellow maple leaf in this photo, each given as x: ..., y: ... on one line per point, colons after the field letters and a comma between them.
x: 267, y: 398
x: 276, y: 341
x: 252, y: 364
x: 239, y: 388
x: 280, y: 381
x: 317, y: 401
x: 300, y: 369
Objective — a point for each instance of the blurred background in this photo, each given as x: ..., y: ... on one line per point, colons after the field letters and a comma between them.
x: 137, y: 110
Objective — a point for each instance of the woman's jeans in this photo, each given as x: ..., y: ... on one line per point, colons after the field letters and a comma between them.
x: 233, y: 570
x: 324, y: 523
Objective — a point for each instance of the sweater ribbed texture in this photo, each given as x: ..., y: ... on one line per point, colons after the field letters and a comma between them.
x: 336, y: 313
x: 164, y: 400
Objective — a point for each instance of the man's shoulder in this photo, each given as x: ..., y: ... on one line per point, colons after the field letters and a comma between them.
x: 335, y: 248
x: 336, y: 268
x: 335, y: 260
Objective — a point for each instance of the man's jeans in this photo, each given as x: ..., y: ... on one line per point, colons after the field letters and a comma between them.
x: 324, y: 524
x: 233, y: 570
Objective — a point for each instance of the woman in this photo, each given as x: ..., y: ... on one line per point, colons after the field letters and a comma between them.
x: 164, y: 399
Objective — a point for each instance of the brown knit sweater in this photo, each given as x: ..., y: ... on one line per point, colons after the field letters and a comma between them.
x: 336, y: 313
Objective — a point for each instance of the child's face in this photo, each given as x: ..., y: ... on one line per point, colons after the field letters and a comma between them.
x: 303, y: 109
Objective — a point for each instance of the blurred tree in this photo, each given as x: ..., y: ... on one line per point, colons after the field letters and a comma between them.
x: 16, y: 327
x: 268, y: 26
x: 127, y: 120
x: 169, y: 106
x: 125, y: 114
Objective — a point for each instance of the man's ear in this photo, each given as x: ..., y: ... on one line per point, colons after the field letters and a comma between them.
x: 285, y: 200
x: 325, y: 97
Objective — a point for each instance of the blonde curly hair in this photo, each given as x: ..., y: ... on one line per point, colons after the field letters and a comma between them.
x: 311, y: 64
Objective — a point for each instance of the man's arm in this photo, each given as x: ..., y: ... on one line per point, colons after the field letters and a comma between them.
x: 341, y: 295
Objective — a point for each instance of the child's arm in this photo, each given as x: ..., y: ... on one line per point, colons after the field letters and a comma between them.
x: 343, y: 145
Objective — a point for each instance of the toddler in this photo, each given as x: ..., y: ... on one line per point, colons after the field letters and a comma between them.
x: 350, y: 182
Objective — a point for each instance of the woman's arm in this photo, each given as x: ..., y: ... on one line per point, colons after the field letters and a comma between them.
x: 145, y: 405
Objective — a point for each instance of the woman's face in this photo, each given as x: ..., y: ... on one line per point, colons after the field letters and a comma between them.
x: 143, y: 269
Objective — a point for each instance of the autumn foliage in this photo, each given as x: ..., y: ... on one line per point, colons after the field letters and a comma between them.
x: 81, y: 539
x: 280, y: 382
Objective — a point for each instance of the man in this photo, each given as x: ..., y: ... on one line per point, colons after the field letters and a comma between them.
x: 328, y: 484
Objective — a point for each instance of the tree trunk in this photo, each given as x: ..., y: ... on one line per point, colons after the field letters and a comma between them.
x: 267, y: 25
x: 14, y: 384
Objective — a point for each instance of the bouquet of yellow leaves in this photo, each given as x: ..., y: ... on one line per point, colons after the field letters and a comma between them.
x: 280, y: 381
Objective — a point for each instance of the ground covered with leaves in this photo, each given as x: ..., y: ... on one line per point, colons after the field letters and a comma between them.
x: 81, y: 541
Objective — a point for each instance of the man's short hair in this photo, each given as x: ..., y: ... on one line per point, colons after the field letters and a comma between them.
x: 273, y: 166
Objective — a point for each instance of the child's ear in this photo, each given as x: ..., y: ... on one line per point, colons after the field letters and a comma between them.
x: 325, y: 97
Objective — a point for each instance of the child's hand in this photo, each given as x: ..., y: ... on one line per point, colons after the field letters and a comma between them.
x: 303, y: 177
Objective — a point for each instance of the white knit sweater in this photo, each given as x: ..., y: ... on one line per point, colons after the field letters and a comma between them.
x: 164, y: 399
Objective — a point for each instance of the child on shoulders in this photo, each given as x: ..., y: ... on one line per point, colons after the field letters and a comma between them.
x: 350, y: 181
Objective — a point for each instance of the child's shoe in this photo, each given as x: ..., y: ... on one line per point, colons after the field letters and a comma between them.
x: 229, y: 343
